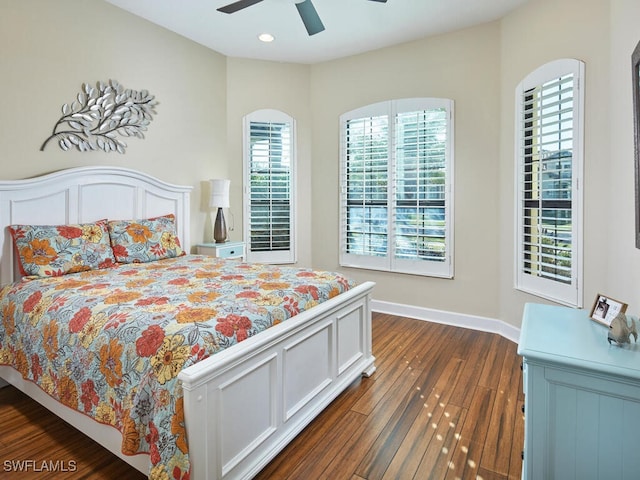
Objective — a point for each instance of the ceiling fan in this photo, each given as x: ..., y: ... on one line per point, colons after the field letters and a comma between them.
x: 307, y: 12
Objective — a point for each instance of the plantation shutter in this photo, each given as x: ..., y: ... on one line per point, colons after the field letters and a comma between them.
x: 549, y: 203
x: 269, y: 188
x: 421, y: 169
x: 366, y: 209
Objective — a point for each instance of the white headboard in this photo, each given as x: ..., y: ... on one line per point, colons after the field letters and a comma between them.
x: 86, y: 194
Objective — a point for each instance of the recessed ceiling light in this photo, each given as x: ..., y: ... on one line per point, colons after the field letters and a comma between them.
x: 266, y: 37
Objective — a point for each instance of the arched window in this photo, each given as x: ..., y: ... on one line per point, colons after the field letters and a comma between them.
x: 269, y: 187
x: 549, y: 133
x: 397, y: 187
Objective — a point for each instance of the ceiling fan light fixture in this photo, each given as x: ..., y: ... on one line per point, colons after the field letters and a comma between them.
x: 266, y: 37
x: 310, y: 17
x: 307, y: 11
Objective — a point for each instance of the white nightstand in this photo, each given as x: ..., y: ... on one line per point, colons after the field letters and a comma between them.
x: 222, y: 250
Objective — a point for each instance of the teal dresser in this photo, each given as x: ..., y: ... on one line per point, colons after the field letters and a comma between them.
x: 582, y: 398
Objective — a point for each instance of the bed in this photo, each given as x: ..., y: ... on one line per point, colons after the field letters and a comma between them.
x: 241, y: 405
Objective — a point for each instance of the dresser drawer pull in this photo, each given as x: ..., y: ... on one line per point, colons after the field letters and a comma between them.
x: 232, y: 252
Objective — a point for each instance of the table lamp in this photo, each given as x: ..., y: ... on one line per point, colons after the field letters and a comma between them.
x: 219, y: 199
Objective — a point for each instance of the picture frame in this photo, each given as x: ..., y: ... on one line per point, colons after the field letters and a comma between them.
x: 605, y: 309
x: 635, y: 85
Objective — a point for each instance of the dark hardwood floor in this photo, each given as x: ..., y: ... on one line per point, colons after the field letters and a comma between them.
x: 445, y: 403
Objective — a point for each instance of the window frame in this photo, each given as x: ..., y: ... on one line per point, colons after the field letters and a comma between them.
x: 269, y: 256
x: 567, y: 293
x: 389, y: 261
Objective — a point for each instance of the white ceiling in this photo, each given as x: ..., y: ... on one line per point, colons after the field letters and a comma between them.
x: 351, y: 26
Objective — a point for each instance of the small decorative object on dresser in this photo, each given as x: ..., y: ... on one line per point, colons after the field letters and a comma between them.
x: 605, y: 309
x: 620, y: 331
x: 222, y: 250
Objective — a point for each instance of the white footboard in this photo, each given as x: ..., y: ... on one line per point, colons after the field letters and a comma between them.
x: 243, y: 405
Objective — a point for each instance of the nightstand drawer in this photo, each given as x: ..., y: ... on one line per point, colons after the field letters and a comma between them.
x: 222, y: 250
x: 231, y: 251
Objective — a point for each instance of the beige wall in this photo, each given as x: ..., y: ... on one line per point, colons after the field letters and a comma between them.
x: 49, y: 49
x: 463, y: 66
x: 256, y: 85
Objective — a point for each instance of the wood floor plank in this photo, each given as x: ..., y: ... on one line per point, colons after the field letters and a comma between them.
x: 406, y: 339
x: 436, y: 460
x: 435, y: 427
x: 475, y: 351
x: 485, y: 474
x: 515, y: 462
x: 429, y: 339
x: 321, y: 456
x: 425, y: 344
x: 497, y: 451
x: 388, y: 412
x: 465, y: 460
x: 492, y: 365
x: 388, y: 443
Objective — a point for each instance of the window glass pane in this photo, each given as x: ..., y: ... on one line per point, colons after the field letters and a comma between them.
x: 270, y: 186
x: 420, y: 180
x: 366, y: 232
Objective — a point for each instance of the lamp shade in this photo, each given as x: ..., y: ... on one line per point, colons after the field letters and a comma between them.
x: 219, y: 193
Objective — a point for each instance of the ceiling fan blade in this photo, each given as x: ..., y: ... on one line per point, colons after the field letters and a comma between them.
x: 239, y: 5
x: 310, y: 17
x: 382, y: 1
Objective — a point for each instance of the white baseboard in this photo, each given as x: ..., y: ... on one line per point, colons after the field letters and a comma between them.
x: 464, y: 320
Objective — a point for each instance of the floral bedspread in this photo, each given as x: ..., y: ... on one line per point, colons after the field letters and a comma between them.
x: 110, y: 343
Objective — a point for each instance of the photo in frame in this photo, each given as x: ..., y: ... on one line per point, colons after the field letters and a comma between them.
x: 605, y: 309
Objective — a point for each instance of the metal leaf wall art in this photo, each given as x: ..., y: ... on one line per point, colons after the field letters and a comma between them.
x: 100, y: 114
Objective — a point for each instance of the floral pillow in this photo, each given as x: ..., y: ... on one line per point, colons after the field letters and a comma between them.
x: 53, y: 250
x: 141, y: 241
